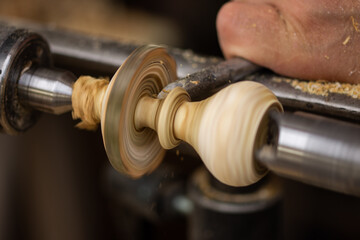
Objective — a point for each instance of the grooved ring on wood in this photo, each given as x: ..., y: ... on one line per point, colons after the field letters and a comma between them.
x: 145, y: 72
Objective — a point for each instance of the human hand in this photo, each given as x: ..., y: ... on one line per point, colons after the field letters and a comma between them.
x: 304, y: 39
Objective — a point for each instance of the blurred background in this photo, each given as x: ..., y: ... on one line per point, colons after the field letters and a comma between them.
x: 189, y: 24
x: 56, y: 182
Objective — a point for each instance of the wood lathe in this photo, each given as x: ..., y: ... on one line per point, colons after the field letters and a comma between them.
x: 239, y: 132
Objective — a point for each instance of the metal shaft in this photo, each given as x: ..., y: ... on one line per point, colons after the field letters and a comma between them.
x: 315, y: 150
x: 46, y: 89
x: 28, y: 81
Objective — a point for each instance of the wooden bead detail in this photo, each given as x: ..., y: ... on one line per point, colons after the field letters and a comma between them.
x: 159, y: 115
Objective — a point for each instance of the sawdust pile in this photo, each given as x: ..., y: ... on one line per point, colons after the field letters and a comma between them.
x: 323, y: 88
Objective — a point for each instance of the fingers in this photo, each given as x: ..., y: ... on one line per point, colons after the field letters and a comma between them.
x: 302, y: 39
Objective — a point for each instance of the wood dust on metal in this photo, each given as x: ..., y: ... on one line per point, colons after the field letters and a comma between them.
x: 322, y: 87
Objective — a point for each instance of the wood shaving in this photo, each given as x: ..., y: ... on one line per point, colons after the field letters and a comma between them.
x: 346, y: 40
x: 87, y: 94
x: 195, y: 82
x: 355, y: 24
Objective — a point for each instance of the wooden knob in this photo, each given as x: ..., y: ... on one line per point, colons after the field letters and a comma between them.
x: 224, y: 129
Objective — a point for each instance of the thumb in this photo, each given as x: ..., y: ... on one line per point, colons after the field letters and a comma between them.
x: 254, y: 31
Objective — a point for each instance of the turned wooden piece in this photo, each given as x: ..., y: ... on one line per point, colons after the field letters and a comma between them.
x: 224, y: 129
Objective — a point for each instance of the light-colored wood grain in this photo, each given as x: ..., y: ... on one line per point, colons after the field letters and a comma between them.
x: 144, y: 73
x: 224, y: 129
